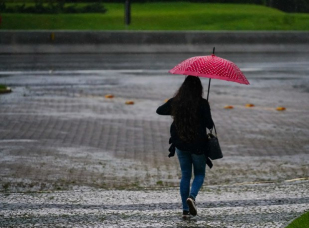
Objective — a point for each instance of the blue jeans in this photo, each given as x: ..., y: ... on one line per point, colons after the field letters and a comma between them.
x: 186, y: 160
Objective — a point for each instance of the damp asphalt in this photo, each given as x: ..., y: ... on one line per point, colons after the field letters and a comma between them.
x: 70, y: 157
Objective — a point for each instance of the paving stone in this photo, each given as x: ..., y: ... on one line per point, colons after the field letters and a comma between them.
x: 262, y: 205
x: 59, y: 132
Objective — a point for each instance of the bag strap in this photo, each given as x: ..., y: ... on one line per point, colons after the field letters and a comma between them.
x: 210, y: 111
x: 214, y: 127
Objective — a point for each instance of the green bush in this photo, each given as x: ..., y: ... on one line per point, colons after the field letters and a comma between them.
x: 290, y: 5
x: 94, y: 8
x: 196, y: 1
x: 52, y: 7
x: 2, y: 7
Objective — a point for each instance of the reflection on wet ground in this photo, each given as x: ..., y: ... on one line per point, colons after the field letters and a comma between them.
x: 58, y: 130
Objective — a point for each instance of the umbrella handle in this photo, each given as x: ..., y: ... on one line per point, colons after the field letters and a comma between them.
x: 214, y: 127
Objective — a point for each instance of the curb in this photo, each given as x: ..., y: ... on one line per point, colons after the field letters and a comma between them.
x: 150, y: 41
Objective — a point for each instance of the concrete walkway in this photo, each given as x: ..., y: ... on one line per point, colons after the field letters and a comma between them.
x: 264, y: 205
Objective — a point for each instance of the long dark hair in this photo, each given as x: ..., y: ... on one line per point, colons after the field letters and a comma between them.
x: 185, y: 108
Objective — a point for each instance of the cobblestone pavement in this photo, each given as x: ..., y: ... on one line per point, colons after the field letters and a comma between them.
x: 268, y: 205
x: 59, y: 132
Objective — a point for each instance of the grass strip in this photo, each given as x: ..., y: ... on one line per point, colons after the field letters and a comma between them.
x: 300, y: 222
x: 165, y: 16
x: 3, y: 87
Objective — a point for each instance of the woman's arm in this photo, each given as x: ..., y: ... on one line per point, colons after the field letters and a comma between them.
x: 165, y: 109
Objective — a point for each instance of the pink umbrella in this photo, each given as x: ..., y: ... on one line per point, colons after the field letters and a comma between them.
x: 210, y: 67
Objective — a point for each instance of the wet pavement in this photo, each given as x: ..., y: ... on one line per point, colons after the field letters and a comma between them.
x: 59, y: 133
x: 220, y: 206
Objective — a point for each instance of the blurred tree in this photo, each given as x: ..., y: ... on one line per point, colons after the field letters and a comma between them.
x: 53, y: 7
x: 201, y: 1
x: 290, y: 5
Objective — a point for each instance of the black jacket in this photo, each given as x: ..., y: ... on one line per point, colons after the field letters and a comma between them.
x: 199, y: 146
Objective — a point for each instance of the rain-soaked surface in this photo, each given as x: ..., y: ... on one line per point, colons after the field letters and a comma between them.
x: 59, y: 132
x: 58, y: 112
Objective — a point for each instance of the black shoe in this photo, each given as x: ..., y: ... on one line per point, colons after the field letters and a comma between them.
x: 192, y: 207
x: 185, y: 215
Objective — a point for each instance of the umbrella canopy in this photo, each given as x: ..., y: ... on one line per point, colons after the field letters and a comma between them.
x: 210, y: 66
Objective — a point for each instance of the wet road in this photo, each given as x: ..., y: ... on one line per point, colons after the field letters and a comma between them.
x: 59, y: 132
x: 58, y: 121
x: 257, y: 67
x: 296, y: 63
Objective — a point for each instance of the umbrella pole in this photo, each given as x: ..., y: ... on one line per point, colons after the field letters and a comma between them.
x: 213, y: 52
x: 208, y: 88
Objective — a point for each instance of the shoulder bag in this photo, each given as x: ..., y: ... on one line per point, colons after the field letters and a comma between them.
x: 213, y: 147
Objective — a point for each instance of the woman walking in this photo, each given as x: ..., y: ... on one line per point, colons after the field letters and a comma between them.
x: 191, y: 114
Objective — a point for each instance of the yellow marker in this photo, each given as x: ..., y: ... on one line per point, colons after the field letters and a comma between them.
x: 228, y: 107
x: 280, y: 108
x: 52, y: 36
x: 129, y: 103
x: 109, y: 96
x: 250, y: 105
